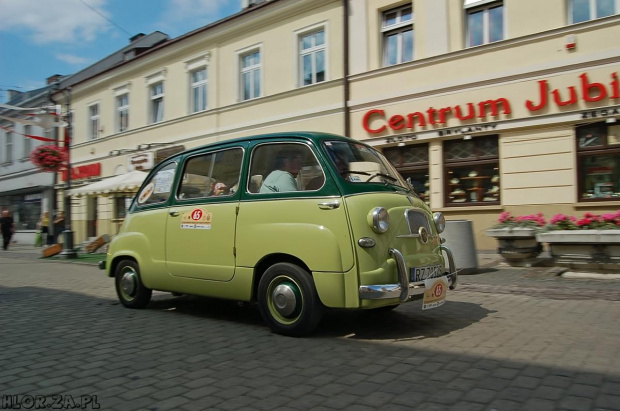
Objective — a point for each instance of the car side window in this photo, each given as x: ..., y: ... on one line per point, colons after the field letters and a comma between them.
x: 284, y: 167
x: 211, y: 175
x: 158, y: 188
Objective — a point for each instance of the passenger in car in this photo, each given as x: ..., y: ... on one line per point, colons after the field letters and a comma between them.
x: 287, y: 167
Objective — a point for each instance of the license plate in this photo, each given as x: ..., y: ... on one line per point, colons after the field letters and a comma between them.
x: 423, y: 273
x: 435, y: 293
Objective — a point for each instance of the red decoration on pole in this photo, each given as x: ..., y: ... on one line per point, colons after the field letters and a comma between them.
x: 49, y: 158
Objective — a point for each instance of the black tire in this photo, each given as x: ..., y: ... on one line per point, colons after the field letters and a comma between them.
x: 288, y: 301
x: 129, y: 288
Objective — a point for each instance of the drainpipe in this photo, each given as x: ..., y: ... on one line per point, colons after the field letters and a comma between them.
x: 345, y: 25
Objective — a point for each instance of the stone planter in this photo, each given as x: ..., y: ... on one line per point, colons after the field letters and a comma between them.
x: 518, y: 246
x: 597, y: 250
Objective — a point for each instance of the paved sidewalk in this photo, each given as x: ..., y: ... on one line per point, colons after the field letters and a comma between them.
x: 22, y: 251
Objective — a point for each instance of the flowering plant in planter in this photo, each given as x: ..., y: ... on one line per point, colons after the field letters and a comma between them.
x: 49, y: 158
x: 609, y: 221
x: 506, y: 220
x: 516, y: 237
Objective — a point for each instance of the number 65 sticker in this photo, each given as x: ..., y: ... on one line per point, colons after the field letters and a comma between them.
x: 435, y: 293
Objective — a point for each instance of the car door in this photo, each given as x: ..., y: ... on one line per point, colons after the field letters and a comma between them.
x: 201, y: 224
x: 292, y: 207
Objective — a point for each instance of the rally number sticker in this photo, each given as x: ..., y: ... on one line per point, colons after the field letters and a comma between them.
x: 146, y: 193
x: 435, y: 293
x: 196, y: 219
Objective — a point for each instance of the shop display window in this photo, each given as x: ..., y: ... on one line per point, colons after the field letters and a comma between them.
x: 412, y: 162
x: 598, y: 152
x: 472, y: 171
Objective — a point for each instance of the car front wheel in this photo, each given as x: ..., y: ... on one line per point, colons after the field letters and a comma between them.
x: 288, y: 301
x: 129, y: 288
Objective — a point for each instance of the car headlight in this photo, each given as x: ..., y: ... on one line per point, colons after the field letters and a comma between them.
x: 379, y: 219
x: 440, y: 222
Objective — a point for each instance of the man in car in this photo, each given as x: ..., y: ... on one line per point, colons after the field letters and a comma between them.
x: 282, y: 179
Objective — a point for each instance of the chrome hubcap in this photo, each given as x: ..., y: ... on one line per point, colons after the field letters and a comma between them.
x: 284, y: 299
x: 128, y: 283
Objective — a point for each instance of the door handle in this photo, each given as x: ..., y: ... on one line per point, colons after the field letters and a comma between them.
x: 330, y: 205
x: 174, y: 213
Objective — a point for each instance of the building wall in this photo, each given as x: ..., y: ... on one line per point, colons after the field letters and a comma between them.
x: 537, y: 147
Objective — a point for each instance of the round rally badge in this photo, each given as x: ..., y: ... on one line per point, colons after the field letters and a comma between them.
x: 146, y: 193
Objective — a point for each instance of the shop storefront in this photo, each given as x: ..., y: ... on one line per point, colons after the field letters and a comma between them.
x: 548, y: 145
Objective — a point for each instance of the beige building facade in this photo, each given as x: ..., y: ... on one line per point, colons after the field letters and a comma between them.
x: 488, y: 106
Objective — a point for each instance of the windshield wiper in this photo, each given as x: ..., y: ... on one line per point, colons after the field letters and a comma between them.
x: 355, y: 172
x: 386, y: 176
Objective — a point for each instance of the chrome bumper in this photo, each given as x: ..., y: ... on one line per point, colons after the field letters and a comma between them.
x: 406, y: 289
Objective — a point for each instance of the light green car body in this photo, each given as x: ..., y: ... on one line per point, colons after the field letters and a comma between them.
x: 318, y: 231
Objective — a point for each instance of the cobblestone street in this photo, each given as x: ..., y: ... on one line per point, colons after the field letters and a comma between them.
x: 507, y: 339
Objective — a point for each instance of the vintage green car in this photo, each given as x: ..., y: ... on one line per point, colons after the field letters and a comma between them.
x: 297, y: 222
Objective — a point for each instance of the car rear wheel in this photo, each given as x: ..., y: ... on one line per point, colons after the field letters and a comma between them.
x: 129, y: 288
x: 288, y: 301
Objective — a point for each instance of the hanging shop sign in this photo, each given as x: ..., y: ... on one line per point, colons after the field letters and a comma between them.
x: 87, y: 171
x: 377, y: 121
x: 141, y: 162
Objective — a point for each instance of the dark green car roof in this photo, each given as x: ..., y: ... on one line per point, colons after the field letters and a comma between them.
x: 314, y: 136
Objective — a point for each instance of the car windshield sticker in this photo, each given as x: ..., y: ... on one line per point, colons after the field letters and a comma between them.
x: 163, y: 181
x: 196, y: 219
x: 146, y: 193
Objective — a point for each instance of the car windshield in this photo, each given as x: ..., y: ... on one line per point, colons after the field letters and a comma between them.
x: 358, y: 163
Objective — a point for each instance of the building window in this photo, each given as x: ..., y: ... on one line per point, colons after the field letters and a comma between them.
x: 8, y: 145
x: 250, y: 75
x: 397, y: 30
x: 472, y: 171
x: 584, y: 10
x: 157, y: 102
x: 485, y: 24
x: 312, y: 57
x: 598, y: 159
x: 122, y: 113
x: 412, y: 162
x: 121, y: 205
x: 27, y: 142
x: 199, y: 84
x: 93, y: 114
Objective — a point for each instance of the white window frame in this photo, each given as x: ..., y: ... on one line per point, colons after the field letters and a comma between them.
x: 397, y: 28
x: 299, y: 35
x: 93, y: 121
x: 152, y: 81
x: 198, y: 106
x: 485, y: 7
x: 243, y: 70
x: 156, y: 115
x: 27, y: 142
x: 122, y: 110
x: 8, y: 146
x: 593, y: 16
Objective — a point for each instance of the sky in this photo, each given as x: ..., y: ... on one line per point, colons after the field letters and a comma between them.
x: 41, y: 38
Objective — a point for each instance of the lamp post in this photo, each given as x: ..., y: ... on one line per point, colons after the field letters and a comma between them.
x: 68, y: 251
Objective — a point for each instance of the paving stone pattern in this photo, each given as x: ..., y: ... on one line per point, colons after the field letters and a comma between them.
x: 508, y: 339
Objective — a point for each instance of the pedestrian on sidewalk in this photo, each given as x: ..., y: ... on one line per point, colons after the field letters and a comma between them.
x: 44, y: 226
x: 7, y: 226
x: 59, y: 225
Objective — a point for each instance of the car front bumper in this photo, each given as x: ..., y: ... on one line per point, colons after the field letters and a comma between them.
x: 405, y: 289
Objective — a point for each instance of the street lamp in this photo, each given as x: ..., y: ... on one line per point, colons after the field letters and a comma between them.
x: 68, y: 251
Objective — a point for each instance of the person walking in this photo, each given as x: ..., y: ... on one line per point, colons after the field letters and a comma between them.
x: 44, y: 226
x: 59, y: 225
x: 7, y: 226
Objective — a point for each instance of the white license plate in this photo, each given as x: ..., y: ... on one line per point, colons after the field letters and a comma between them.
x: 422, y: 273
